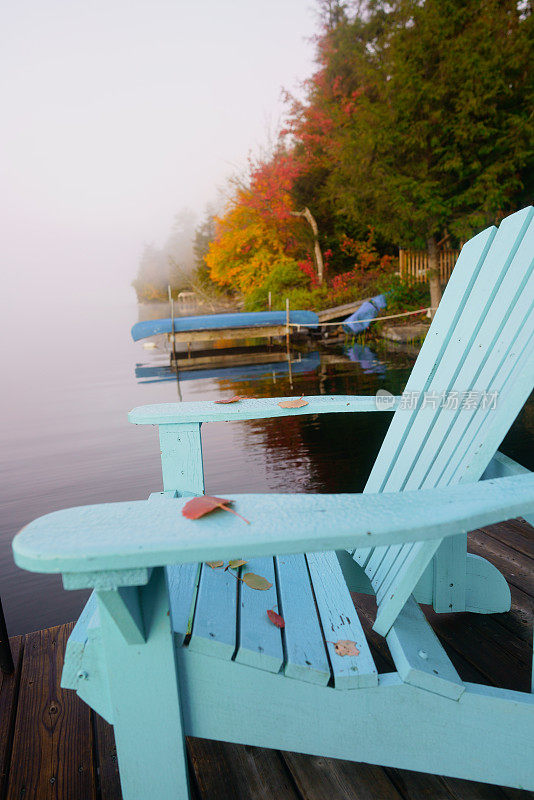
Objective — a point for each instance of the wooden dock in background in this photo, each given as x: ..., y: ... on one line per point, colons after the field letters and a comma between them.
x: 53, y: 747
x: 340, y: 312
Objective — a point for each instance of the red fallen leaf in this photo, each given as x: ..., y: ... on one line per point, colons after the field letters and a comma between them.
x: 344, y: 647
x: 198, y: 506
x: 276, y: 619
x: 298, y: 402
x: 234, y: 399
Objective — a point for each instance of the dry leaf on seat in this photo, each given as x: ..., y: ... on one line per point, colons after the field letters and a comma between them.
x: 215, y: 564
x: 198, y: 506
x: 234, y: 399
x: 276, y: 619
x: 234, y: 563
x: 298, y: 402
x: 256, y: 581
x: 344, y: 647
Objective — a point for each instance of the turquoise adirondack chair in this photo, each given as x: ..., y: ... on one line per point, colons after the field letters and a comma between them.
x: 168, y: 647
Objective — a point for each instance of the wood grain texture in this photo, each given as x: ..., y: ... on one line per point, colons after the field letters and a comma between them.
x: 52, y: 743
x: 106, y: 759
x: 239, y: 772
x: 519, y: 567
x: 419, y: 785
x: 320, y: 778
x: 9, y: 689
x: 517, y: 535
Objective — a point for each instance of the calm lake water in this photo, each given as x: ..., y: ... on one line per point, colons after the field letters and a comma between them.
x: 66, y: 440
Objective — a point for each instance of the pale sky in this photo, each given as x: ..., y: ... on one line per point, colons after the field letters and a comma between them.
x: 118, y: 113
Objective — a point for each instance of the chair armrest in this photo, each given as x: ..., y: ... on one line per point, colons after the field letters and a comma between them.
x: 210, y: 411
x: 122, y: 536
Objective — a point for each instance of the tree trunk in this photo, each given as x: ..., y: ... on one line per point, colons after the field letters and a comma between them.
x: 433, y: 275
x: 316, y: 246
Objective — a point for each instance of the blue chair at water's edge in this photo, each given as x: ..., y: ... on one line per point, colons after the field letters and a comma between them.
x: 168, y: 647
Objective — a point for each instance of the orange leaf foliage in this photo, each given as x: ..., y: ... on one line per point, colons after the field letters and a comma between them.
x: 257, y: 229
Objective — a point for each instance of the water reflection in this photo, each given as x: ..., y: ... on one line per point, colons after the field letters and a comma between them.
x: 365, y: 357
x: 308, y: 362
x: 68, y: 441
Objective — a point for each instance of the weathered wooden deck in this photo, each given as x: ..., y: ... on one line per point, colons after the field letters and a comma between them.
x: 52, y: 747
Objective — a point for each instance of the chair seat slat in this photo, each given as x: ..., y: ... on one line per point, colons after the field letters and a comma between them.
x: 340, y: 621
x: 306, y: 657
x: 214, y: 622
x: 259, y: 640
x: 182, y: 582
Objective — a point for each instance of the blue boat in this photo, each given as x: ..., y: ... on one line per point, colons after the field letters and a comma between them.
x: 222, y: 322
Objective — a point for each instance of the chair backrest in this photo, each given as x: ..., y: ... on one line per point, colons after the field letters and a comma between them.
x: 473, y: 375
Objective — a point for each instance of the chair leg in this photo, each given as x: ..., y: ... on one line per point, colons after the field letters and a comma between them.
x: 450, y: 574
x: 145, y: 701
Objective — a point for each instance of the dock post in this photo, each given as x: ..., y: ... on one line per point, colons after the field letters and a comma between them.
x: 173, y: 339
x: 270, y: 304
x: 287, y: 322
x: 6, y: 658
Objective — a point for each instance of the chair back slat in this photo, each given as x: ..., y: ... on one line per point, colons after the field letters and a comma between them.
x: 477, y: 356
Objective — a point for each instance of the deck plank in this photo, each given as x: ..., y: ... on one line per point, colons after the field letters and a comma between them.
x: 52, y: 756
x: 419, y: 785
x: 517, y: 567
x: 239, y: 772
x: 515, y: 534
x: 9, y: 688
x: 321, y: 778
x: 106, y: 760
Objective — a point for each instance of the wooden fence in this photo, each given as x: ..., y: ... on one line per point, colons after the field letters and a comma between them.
x: 413, y: 264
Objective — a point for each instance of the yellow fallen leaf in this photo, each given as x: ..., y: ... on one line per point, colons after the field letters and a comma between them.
x: 298, y: 402
x: 215, y: 564
x: 234, y: 563
x: 256, y: 581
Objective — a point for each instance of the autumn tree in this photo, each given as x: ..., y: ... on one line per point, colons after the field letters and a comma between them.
x: 259, y: 229
x: 419, y: 117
